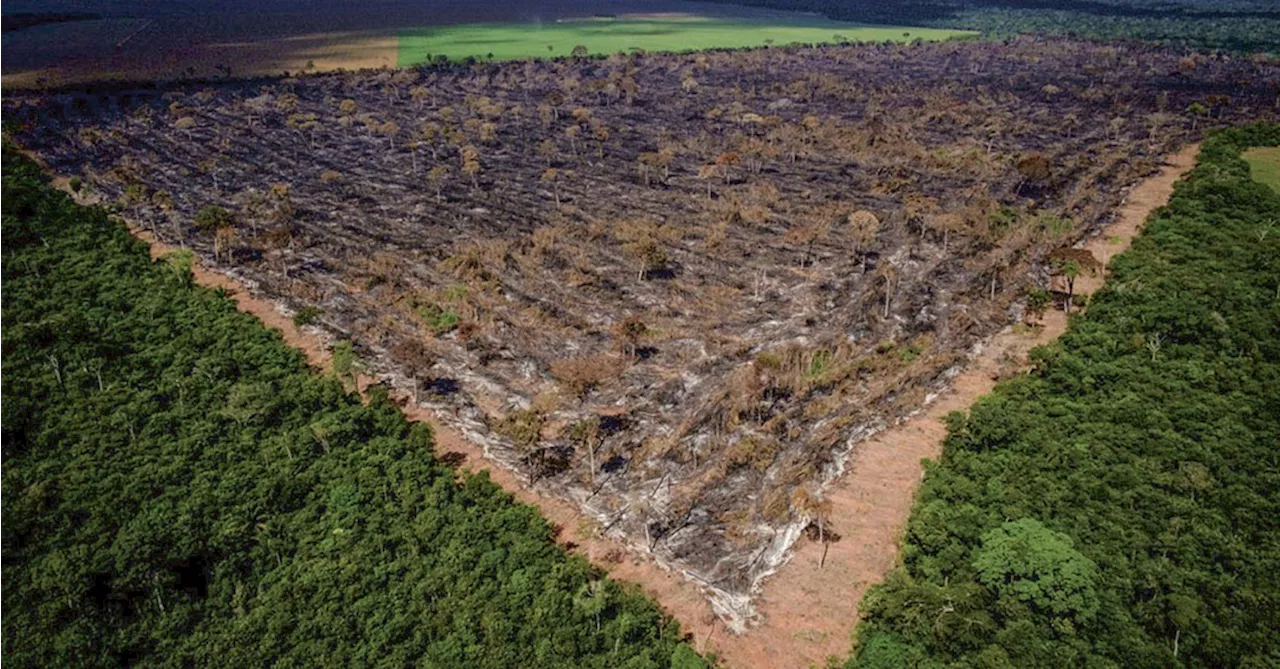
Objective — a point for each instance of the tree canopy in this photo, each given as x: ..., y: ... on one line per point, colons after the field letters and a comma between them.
x: 1232, y: 25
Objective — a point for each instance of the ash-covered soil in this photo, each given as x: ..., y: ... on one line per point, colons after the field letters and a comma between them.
x: 676, y: 289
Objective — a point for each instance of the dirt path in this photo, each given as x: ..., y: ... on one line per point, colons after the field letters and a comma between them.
x: 808, y: 613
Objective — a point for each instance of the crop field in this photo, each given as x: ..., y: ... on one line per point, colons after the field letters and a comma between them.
x: 677, y: 290
x: 508, y: 41
x: 1264, y: 164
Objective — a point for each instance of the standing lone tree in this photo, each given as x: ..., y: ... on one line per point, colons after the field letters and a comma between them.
x: 436, y: 176
x: 524, y: 428
x: 863, y: 227
x: 1070, y: 263
x: 629, y: 333
x: 1033, y: 167
x: 552, y: 177
x: 650, y: 254
x: 471, y: 163
x: 390, y: 129
x: 813, y: 505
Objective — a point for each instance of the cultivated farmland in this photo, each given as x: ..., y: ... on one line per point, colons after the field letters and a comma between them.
x: 675, y: 289
x: 662, y: 32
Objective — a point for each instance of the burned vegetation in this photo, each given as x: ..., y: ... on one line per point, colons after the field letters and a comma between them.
x: 676, y: 289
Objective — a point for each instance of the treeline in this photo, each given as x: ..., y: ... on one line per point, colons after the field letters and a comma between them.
x: 1207, y: 27
x: 24, y: 20
x: 1120, y: 505
x: 179, y: 489
x: 1228, y: 25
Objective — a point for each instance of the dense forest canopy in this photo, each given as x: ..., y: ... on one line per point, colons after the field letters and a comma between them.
x: 1231, y: 25
x: 1119, y: 506
x: 180, y: 490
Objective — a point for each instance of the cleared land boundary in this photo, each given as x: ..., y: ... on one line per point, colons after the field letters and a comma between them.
x: 808, y: 612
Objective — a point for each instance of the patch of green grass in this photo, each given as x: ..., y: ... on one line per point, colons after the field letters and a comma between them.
x: 1264, y: 165
x: 439, y: 319
x: 508, y: 41
x: 818, y: 364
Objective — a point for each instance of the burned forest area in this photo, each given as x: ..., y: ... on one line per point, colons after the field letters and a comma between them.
x: 677, y: 290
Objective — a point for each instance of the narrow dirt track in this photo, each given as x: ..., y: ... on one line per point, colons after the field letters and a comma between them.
x: 808, y: 613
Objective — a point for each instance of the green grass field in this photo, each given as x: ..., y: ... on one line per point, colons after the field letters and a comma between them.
x: 508, y: 41
x: 1264, y: 164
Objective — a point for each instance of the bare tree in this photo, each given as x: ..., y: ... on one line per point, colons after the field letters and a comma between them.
x: 223, y: 238
x: 811, y: 504
x: 572, y: 133
x: 306, y: 125
x: 889, y: 275
x: 601, y: 133
x: 586, y: 434
x: 551, y: 176
x: 707, y: 173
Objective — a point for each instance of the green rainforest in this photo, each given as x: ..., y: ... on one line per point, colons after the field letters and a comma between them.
x: 1244, y: 26
x: 1120, y: 505
x: 181, y: 490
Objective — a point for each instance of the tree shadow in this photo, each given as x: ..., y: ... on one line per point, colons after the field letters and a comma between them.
x: 442, y: 386
x: 827, y: 535
x: 615, y: 464
x: 452, y: 459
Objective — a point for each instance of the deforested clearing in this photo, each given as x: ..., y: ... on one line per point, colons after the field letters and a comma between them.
x: 677, y: 290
